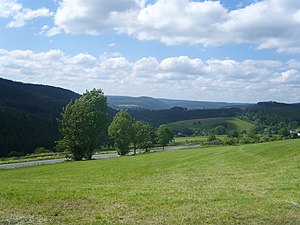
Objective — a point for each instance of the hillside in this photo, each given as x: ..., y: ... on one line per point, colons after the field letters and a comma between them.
x: 229, y: 123
x: 248, y: 184
x: 201, y: 104
x: 291, y: 111
x: 157, y: 117
x: 125, y: 102
x: 28, y: 115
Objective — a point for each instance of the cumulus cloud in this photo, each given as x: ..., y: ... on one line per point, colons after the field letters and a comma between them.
x: 179, y: 21
x: 265, y: 24
x: 94, y: 17
x: 20, y: 16
x: 174, y: 77
x: 289, y: 77
x: 9, y: 8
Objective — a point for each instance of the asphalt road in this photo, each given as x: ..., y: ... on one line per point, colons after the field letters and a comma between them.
x: 54, y: 161
x: 50, y: 161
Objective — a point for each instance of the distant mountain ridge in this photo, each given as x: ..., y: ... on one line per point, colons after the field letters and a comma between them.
x: 202, y: 104
x: 143, y: 102
x: 15, y: 91
x: 126, y: 102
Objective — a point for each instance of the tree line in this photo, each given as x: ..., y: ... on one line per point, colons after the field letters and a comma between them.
x: 85, y: 122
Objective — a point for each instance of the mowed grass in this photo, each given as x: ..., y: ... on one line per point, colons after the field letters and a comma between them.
x: 232, y: 123
x: 249, y: 184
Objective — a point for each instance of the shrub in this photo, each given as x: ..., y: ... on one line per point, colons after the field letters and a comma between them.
x: 15, y: 154
x: 41, y: 150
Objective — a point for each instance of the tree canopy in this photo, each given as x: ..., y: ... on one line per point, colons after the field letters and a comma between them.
x: 144, y: 135
x: 82, y: 124
x: 164, y: 135
x: 121, y: 130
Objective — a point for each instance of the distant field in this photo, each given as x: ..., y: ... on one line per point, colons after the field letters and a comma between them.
x: 249, y: 184
x: 197, y: 139
x: 231, y: 123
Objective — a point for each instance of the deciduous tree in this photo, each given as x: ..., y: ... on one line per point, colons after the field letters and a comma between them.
x: 121, y: 130
x: 164, y: 135
x: 144, y: 135
x: 82, y: 123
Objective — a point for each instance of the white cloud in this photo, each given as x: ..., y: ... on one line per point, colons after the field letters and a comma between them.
x: 266, y: 24
x: 53, y: 31
x: 112, y: 45
x: 289, y: 77
x: 175, y: 77
x: 179, y: 21
x: 20, y: 16
x: 9, y: 8
x: 94, y: 17
x: 145, y: 67
x: 182, y: 64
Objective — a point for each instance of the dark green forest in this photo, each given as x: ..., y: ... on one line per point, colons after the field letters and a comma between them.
x: 157, y: 117
x: 29, y: 116
x: 273, y: 117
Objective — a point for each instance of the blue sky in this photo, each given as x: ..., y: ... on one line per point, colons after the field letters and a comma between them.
x: 235, y: 51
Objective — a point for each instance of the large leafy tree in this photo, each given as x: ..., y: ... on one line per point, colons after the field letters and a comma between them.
x: 82, y: 124
x: 122, y: 131
x: 144, y: 135
x: 164, y: 135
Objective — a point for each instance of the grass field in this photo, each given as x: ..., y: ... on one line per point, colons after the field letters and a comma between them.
x: 196, y: 139
x: 232, y: 123
x: 248, y: 184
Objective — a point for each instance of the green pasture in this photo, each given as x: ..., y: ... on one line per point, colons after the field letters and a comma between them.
x: 231, y: 123
x: 195, y: 139
x: 247, y: 184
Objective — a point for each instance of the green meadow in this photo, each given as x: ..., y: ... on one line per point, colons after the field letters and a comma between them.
x: 246, y: 184
x: 195, y: 139
x: 232, y: 123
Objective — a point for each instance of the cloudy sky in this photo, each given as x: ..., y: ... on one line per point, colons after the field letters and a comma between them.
x: 228, y: 50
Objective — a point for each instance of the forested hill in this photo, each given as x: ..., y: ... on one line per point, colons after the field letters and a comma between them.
x: 291, y: 111
x: 157, y: 117
x: 125, y: 102
x: 28, y: 115
x: 34, y: 98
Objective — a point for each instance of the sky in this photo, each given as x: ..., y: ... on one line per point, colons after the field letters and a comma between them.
x: 228, y: 50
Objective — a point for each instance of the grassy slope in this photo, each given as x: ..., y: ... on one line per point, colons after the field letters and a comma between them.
x: 250, y: 184
x: 232, y: 124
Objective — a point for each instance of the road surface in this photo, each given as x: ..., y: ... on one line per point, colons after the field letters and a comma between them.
x: 50, y: 161
x: 53, y: 161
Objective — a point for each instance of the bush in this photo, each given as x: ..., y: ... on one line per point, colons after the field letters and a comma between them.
x: 15, y: 154
x: 211, y: 138
x: 247, y: 140
x: 41, y: 150
x: 235, y: 134
x: 219, y: 130
x: 217, y: 142
x: 230, y: 141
